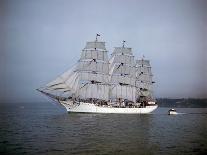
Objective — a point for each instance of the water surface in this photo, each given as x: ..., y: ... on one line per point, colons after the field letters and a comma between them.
x: 44, y: 128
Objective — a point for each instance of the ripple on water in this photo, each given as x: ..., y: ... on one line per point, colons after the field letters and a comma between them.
x: 36, y: 130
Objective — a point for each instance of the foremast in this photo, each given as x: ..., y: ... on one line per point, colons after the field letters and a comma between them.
x: 93, y: 70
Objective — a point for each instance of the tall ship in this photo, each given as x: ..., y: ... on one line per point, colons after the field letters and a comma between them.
x: 101, y: 84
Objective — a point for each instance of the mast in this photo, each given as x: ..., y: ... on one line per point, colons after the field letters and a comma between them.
x: 144, y: 80
x: 122, y: 74
x: 93, y: 70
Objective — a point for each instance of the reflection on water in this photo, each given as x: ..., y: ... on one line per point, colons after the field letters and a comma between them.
x: 48, y: 129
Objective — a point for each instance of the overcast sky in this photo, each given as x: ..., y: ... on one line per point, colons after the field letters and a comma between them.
x: 40, y: 39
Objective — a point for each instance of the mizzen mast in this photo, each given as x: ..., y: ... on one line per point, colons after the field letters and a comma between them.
x: 144, y: 80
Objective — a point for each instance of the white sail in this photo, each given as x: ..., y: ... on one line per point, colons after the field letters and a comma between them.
x: 96, y: 91
x: 62, y: 78
x: 99, y: 77
x: 116, y: 79
x: 144, y: 78
x: 144, y: 70
x: 73, y: 82
x: 95, y: 45
x: 93, y: 71
x: 122, y: 72
x: 143, y: 62
x: 124, y: 69
x: 120, y: 50
x: 93, y: 66
x: 63, y: 85
x: 143, y: 85
x: 66, y: 83
x: 123, y: 92
x: 121, y: 58
x: 59, y: 87
x: 94, y: 54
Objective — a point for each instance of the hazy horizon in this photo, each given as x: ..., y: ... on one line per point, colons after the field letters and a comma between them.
x: 41, y: 39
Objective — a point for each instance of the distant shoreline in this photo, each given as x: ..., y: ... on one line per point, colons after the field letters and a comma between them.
x: 182, y: 103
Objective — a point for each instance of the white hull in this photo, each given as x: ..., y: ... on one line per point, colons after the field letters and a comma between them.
x: 172, y: 113
x: 92, y: 108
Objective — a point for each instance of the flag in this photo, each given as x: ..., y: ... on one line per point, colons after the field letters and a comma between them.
x: 123, y: 43
x: 97, y: 35
x: 143, y: 57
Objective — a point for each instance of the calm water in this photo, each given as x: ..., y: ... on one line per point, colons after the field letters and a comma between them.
x: 48, y: 129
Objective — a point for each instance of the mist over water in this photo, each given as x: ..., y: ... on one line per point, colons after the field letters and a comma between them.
x: 45, y: 128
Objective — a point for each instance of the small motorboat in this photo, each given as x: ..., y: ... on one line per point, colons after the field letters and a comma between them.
x: 172, y: 112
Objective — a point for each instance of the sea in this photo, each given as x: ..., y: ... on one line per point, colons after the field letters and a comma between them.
x: 46, y: 128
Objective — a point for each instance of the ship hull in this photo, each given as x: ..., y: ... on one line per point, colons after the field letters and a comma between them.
x: 83, y: 107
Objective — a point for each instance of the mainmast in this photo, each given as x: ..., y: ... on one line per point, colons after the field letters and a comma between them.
x: 122, y: 73
x: 144, y: 79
